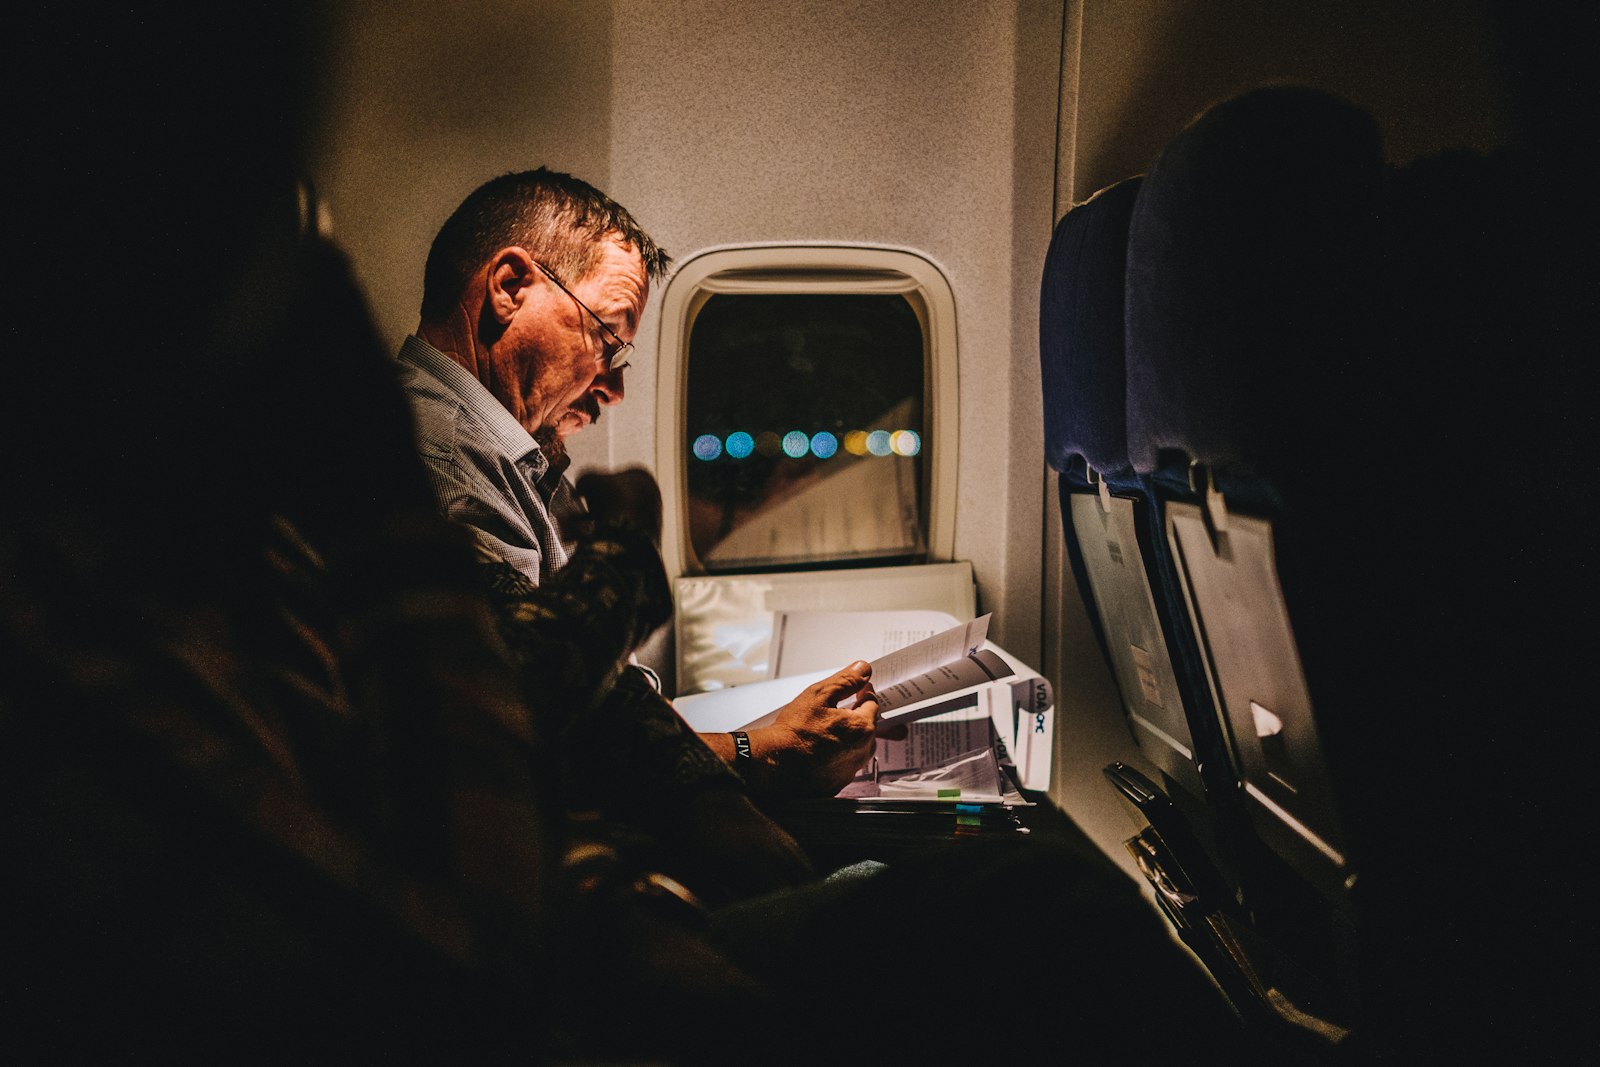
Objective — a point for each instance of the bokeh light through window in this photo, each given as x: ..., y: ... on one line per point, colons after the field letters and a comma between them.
x: 805, y: 417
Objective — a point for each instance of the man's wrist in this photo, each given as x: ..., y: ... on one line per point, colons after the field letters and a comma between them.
x: 747, y: 752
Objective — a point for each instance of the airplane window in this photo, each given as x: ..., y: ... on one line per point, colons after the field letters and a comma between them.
x: 805, y: 431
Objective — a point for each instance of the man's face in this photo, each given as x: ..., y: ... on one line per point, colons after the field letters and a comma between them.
x: 553, y: 343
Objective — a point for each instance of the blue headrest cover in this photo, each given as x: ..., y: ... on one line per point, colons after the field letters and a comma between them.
x: 1252, y: 282
x: 1081, y: 332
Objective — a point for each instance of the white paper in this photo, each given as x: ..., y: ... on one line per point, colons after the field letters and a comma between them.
x: 911, y: 699
x: 812, y: 640
x: 934, y: 740
x: 1032, y: 709
x: 932, y: 749
x: 742, y: 707
x: 970, y: 776
x: 944, y: 647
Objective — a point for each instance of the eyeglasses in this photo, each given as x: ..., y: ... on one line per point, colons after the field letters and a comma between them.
x: 614, y: 355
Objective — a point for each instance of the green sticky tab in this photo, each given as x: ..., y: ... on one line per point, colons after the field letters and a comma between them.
x: 949, y: 793
x: 968, y: 820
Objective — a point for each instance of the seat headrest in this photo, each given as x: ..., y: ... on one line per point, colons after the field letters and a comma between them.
x: 1252, y: 257
x: 1081, y: 332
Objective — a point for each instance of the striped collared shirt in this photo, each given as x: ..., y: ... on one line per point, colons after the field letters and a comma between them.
x: 485, y: 469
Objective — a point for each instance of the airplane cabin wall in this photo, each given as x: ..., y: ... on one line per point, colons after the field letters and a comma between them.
x: 904, y: 124
x: 899, y: 123
x: 1429, y: 71
x: 423, y: 102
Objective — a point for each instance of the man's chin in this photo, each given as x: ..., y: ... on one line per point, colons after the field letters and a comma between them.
x: 569, y: 424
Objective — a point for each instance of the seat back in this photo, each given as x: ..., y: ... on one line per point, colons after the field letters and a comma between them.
x: 1352, y: 390
x: 1251, y: 308
x: 1190, y: 819
x: 1252, y: 355
x: 1105, y: 505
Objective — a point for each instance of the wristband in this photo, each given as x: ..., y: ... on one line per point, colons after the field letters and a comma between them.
x: 741, y: 745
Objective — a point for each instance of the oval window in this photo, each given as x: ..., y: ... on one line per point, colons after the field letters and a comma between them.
x: 805, y: 431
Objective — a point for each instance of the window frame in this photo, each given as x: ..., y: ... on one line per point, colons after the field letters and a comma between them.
x: 810, y: 268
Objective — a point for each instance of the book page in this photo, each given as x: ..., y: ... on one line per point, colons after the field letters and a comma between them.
x: 934, y: 740
x: 940, y: 748
x: 812, y: 640
x: 969, y: 776
x: 914, y: 697
x: 947, y: 646
x: 944, y: 663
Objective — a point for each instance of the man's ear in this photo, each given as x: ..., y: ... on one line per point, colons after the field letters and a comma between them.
x: 510, y: 276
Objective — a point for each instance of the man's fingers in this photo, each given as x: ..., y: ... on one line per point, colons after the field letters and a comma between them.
x: 867, y: 704
x: 844, y: 682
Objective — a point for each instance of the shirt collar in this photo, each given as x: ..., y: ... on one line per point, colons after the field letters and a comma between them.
x: 505, y: 430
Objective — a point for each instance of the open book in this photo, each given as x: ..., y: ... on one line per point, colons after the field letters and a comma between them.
x: 909, y: 681
x: 956, y: 691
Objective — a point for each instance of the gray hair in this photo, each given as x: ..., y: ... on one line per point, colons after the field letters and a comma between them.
x: 559, y: 219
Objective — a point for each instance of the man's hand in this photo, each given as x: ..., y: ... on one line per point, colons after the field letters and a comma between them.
x: 815, y: 747
x: 628, y: 497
